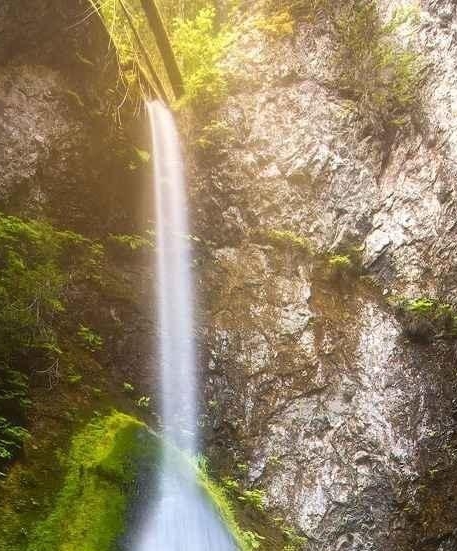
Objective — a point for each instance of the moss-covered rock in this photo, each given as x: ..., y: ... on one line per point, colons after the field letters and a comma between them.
x: 91, y: 509
x: 98, y: 500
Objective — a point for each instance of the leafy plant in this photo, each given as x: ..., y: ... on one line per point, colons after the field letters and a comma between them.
x: 142, y: 155
x: 89, y: 338
x: 288, y: 239
x: 246, y: 540
x: 143, y: 402
x: 307, y: 10
x: 255, y: 498
x: 426, y: 317
x: 14, y: 390
x: 128, y: 387
x: 200, y: 47
x: 11, y: 438
x: 278, y: 24
x: 378, y: 76
x: 214, y: 135
x: 252, y: 540
x: 340, y: 262
x: 38, y: 263
x: 294, y: 541
x: 231, y: 484
x: 372, y: 69
x: 132, y: 242
x: 74, y: 378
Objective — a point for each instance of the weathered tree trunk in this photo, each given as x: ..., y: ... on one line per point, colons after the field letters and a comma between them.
x: 154, y: 81
x: 163, y: 42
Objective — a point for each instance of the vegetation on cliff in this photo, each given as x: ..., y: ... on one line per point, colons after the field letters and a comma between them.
x: 40, y: 265
x: 105, y: 460
x: 91, y: 509
x: 200, y: 46
x: 372, y: 69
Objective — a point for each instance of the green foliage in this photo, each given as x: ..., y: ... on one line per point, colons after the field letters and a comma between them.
x: 307, y: 10
x: 31, y: 284
x: 255, y: 498
x: 138, y: 158
x: 242, y: 467
x: 13, y: 390
x: 246, y: 540
x: 294, y: 541
x: 215, y: 135
x: 127, y: 387
x: 200, y: 47
x: 132, y: 242
x: 288, y: 239
x: 423, y: 306
x: 11, y: 439
x: 37, y: 264
x: 89, y: 338
x: 425, y: 317
x: 144, y: 402
x: 143, y: 156
x: 102, y: 468
x: 344, y: 264
x: 278, y: 24
x: 185, y: 9
x: 74, y: 378
x: 230, y: 484
x: 90, y: 511
x: 373, y: 70
x: 141, y: 66
x: 340, y: 263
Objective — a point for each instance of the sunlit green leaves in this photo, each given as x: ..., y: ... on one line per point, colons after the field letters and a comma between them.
x: 200, y: 47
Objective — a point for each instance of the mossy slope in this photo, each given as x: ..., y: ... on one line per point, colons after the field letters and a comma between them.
x: 104, y: 464
x: 91, y: 509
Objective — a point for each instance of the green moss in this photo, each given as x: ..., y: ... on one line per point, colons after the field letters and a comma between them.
x: 104, y: 461
x: 131, y: 242
x: 425, y: 317
x: 340, y: 262
x: 246, y: 540
x: 287, y: 239
x: 278, y: 24
x: 90, y: 510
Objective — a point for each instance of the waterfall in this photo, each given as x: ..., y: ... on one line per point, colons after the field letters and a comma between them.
x: 179, y: 518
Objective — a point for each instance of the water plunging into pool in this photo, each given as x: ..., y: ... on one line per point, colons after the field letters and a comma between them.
x: 179, y: 518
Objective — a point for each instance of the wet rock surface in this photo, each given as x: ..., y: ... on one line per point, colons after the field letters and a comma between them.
x: 63, y: 154
x: 68, y: 155
x: 347, y: 424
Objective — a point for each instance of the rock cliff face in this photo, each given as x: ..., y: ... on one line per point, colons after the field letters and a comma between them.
x: 67, y: 151
x: 348, y: 424
x: 62, y: 154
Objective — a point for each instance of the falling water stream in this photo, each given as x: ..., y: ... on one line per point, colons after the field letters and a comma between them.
x: 180, y: 517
